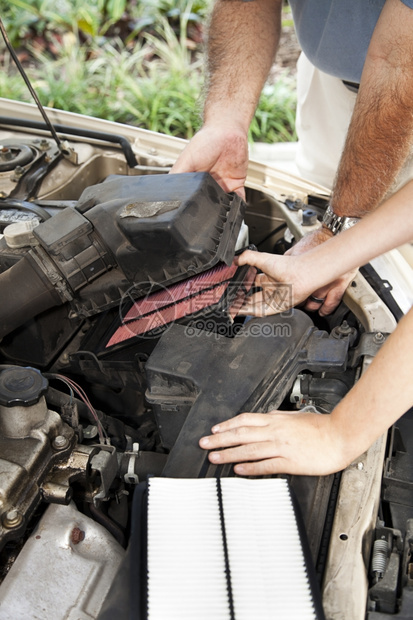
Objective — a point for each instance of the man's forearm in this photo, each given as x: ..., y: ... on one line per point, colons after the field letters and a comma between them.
x: 388, y: 227
x: 382, y: 395
x: 243, y: 39
x: 381, y: 130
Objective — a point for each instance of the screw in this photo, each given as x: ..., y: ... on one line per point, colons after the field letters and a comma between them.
x: 18, y: 172
x: 77, y: 535
x: 6, y: 153
x: 12, y: 519
x: 360, y: 466
x: 44, y: 145
x: 378, y: 337
x: 345, y: 328
x: 64, y: 358
x: 60, y: 442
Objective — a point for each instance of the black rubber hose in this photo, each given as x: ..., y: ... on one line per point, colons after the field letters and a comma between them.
x: 77, y: 131
x: 109, y: 524
x: 24, y: 205
x: 24, y: 293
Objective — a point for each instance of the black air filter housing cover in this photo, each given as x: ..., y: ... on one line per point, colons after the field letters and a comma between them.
x: 164, y: 228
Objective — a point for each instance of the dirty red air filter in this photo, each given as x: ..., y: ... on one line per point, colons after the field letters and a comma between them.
x: 216, y: 294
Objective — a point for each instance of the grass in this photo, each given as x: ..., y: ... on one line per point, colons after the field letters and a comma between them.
x: 153, y: 80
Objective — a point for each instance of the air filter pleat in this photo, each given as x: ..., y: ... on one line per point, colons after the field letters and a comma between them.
x: 157, y: 300
x: 185, y: 556
x: 168, y: 314
x: 187, y: 575
x: 238, y: 302
x: 268, y: 570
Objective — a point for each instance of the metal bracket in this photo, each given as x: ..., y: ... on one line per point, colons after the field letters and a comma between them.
x: 369, y: 344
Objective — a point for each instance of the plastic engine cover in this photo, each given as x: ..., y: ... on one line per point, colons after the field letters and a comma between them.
x: 167, y: 227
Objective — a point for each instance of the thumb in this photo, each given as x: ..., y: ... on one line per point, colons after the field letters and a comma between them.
x: 261, y: 260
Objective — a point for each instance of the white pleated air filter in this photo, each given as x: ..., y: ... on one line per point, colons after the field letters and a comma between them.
x: 227, y: 549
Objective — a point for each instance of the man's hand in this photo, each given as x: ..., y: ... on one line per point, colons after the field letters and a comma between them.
x: 236, y: 70
x: 331, y: 294
x: 287, y: 281
x: 282, y: 283
x: 278, y: 442
x: 319, y: 444
x: 220, y: 149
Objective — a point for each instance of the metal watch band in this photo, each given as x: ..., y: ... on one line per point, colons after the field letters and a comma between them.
x: 337, y: 223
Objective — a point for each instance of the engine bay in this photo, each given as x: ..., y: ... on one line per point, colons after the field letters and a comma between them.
x: 121, y: 346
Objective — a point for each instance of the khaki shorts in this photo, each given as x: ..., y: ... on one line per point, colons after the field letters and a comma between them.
x: 324, y: 109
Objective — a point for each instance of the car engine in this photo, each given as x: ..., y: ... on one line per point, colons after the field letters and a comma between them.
x: 121, y: 346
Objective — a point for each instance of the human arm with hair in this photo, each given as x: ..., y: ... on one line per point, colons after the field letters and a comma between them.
x: 387, y: 227
x: 242, y: 42
x: 380, y: 135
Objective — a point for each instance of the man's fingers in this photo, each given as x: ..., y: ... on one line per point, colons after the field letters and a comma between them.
x: 278, y: 442
x: 316, y: 300
x: 256, y: 306
x: 330, y: 294
x: 282, y: 465
x: 333, y: 299
x: 237, y: 189
x: 181, y: 165
x: 242, y: 435
x: 241, y: 454
x: 234, y: 430
x: 246, y: 258
x: 261, y: 260
x: 278, y: 465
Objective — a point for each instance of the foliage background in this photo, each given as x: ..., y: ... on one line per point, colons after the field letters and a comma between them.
x: 138, y: 62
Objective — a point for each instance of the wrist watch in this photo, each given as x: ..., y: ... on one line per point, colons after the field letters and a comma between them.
x: 337, y: 223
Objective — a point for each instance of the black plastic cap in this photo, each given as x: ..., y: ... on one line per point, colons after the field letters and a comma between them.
x: 309, y: 217
x: 21, y: 386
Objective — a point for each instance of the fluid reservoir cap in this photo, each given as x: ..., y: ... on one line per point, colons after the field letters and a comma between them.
x: 20, y: 234
x: 21, y: 386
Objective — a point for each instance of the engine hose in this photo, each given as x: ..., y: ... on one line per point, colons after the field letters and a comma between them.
x: 77, y: 131
x: 24, y: 293
x: 109, y: 524
x: 24, y: 205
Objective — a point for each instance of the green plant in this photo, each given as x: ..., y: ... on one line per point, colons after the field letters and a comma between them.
x: 153, y: 83
x: 274, y: 119
x: 112, y: 10
x: 170, y: 48
x: 42, y: 17
x: 196, y: 10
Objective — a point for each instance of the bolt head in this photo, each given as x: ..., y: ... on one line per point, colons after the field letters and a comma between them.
x: 12, y: 518
x: 77, y: 535
x: 60, y: 442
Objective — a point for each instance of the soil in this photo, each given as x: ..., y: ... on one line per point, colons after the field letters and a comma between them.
x: 288, y: 51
